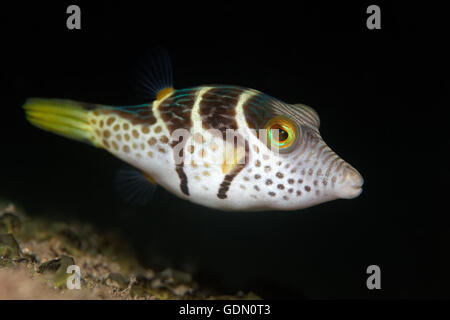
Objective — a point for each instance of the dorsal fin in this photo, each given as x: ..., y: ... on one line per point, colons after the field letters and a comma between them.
x: 154, y: 79
x: 309, y: 114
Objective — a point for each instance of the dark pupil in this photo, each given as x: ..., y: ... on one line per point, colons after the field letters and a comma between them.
x: 282, y: 135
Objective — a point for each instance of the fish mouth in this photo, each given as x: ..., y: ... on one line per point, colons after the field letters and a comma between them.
x: 352, y: 189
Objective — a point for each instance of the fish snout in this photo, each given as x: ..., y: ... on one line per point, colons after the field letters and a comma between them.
x: 351, y: 185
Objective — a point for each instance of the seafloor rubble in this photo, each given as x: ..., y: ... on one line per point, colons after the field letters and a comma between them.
x: 35, y: 254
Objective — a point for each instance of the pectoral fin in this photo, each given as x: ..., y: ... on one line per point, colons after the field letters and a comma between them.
x: 232, y: 158
x: 134, y: 187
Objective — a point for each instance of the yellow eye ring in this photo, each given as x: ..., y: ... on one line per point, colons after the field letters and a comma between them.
x: 281, y: 133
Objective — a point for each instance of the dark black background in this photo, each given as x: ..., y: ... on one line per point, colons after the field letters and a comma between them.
x: 380, y: 94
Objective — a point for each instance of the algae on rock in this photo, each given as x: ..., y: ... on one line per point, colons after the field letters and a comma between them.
x: 36, y: 253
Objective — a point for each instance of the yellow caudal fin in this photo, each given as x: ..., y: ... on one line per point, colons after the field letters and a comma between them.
x: 63, y: 117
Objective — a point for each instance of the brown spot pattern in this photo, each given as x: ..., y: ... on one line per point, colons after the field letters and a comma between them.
x: 106, y: 134
x: 141, y: 114
x: 151, y: 141
x: 164, y: 139
x: 110, y: 121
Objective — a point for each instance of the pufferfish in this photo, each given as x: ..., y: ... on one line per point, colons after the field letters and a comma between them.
x: 220, y: 146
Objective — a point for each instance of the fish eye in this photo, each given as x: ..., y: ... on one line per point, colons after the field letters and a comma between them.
x: 282, y: 133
